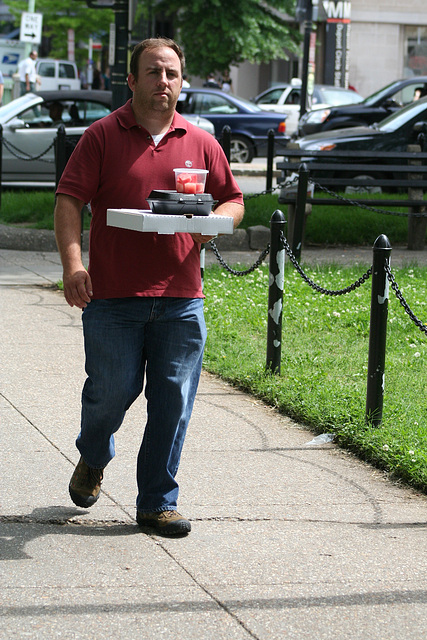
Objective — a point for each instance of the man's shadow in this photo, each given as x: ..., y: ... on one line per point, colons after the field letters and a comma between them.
x: 17, y: 531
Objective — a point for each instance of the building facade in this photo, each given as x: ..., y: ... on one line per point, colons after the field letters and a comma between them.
x: 385, y: 40
x: 388, y: 42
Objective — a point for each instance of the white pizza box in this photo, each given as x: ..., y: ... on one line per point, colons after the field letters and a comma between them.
x: 144, y: 220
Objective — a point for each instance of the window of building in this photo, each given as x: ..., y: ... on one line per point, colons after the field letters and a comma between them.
x: 416, y: 51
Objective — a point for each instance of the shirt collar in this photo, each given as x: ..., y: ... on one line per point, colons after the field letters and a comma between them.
x: 126, y: 118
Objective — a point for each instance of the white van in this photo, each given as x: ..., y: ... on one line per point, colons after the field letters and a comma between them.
x: 57, y: 74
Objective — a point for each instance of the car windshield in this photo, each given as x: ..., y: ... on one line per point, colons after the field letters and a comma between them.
x: 378, y: 95
x: 204, y: 102
x: 271, y: 97
x: 15, y: 106
x: 401, y: 117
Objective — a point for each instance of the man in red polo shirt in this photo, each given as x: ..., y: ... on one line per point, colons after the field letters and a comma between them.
x: 141, y: 295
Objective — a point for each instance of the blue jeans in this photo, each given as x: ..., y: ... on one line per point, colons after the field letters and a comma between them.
x: 23, y: 86
x: 126, y: 339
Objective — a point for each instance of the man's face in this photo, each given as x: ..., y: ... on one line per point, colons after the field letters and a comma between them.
x: 159, y: 80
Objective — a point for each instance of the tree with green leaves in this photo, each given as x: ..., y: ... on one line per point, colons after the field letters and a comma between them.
x: 61, y: 15
x: 218, y: 33
x: 215, y: 34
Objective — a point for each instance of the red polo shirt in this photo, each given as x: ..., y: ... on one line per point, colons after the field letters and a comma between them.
x: 115, y: 166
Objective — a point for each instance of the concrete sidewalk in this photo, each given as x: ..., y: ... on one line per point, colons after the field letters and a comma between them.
x: 290, y: 539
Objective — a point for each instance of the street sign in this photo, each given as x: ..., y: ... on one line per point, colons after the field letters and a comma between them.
x: 31, y: 28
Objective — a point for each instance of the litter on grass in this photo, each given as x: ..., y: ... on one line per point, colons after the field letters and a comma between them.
x: 324, y: 438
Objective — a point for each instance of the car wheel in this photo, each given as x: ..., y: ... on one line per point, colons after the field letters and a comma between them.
x: 241, y: 149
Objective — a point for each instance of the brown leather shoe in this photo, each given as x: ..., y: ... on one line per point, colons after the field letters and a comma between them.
x: 85, y: 484
x: 169, y: 523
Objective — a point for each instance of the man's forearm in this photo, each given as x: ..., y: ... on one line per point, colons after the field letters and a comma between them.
x: 77, y: 282
x: 232, y: 210
x: 67, y: 218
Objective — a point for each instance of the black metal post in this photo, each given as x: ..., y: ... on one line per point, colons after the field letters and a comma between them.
x: 270, y: 157
x: 60, y: 153
x: 119, y: 86
x: 275, y: 292
x: 300, y: 205
x: 226, y: 142
x: 202, y: 264
x: 378, y: 331
x: 308, y: 26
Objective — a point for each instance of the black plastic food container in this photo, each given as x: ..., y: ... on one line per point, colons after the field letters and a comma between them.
x: 174, y: 203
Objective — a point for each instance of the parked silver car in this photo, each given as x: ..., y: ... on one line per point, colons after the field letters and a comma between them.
x: 286, y: 98
x: 30, y: 126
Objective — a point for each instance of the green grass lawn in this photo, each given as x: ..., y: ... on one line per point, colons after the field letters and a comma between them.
x: 323, y: 376
x: 338, y: 224
x: 30, y: 209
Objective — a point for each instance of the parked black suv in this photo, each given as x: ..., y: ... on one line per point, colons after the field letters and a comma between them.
x: 373, y: 109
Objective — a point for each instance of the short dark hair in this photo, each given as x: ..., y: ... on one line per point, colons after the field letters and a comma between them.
x: 154, y: 43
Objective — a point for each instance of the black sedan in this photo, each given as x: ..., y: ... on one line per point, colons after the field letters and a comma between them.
x: 394, y: 134
x: 249, y: 124
x: 373, y: 109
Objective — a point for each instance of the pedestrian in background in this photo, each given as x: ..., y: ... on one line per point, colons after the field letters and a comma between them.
x: 211, y: 83
x: 226, y: 84
x: 141, y: 296
x: 28, y: 74
x: 107, y: 79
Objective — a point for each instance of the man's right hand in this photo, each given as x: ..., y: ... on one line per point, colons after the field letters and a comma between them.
x: 78, y: 288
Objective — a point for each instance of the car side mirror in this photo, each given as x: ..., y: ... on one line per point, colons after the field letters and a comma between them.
x: 420, y: 133
x: 420, y: 127
x: 391, y: 104
x: 16, y: 123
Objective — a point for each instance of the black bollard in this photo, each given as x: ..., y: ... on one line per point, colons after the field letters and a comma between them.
x: 226, y: 142
x: 270, y: 158
x: 378, y: 331
x: 275, y: 292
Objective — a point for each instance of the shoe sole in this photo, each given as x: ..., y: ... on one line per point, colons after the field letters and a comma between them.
x: 82, y: 501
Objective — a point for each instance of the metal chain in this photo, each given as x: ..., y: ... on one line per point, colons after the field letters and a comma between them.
x: 399, y: 296
x: 222, y: 262
x: 262, y: 193
x: 360, y: 204
x: 316, y: 287
x: 10, y: 147
x: 273, y: 189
